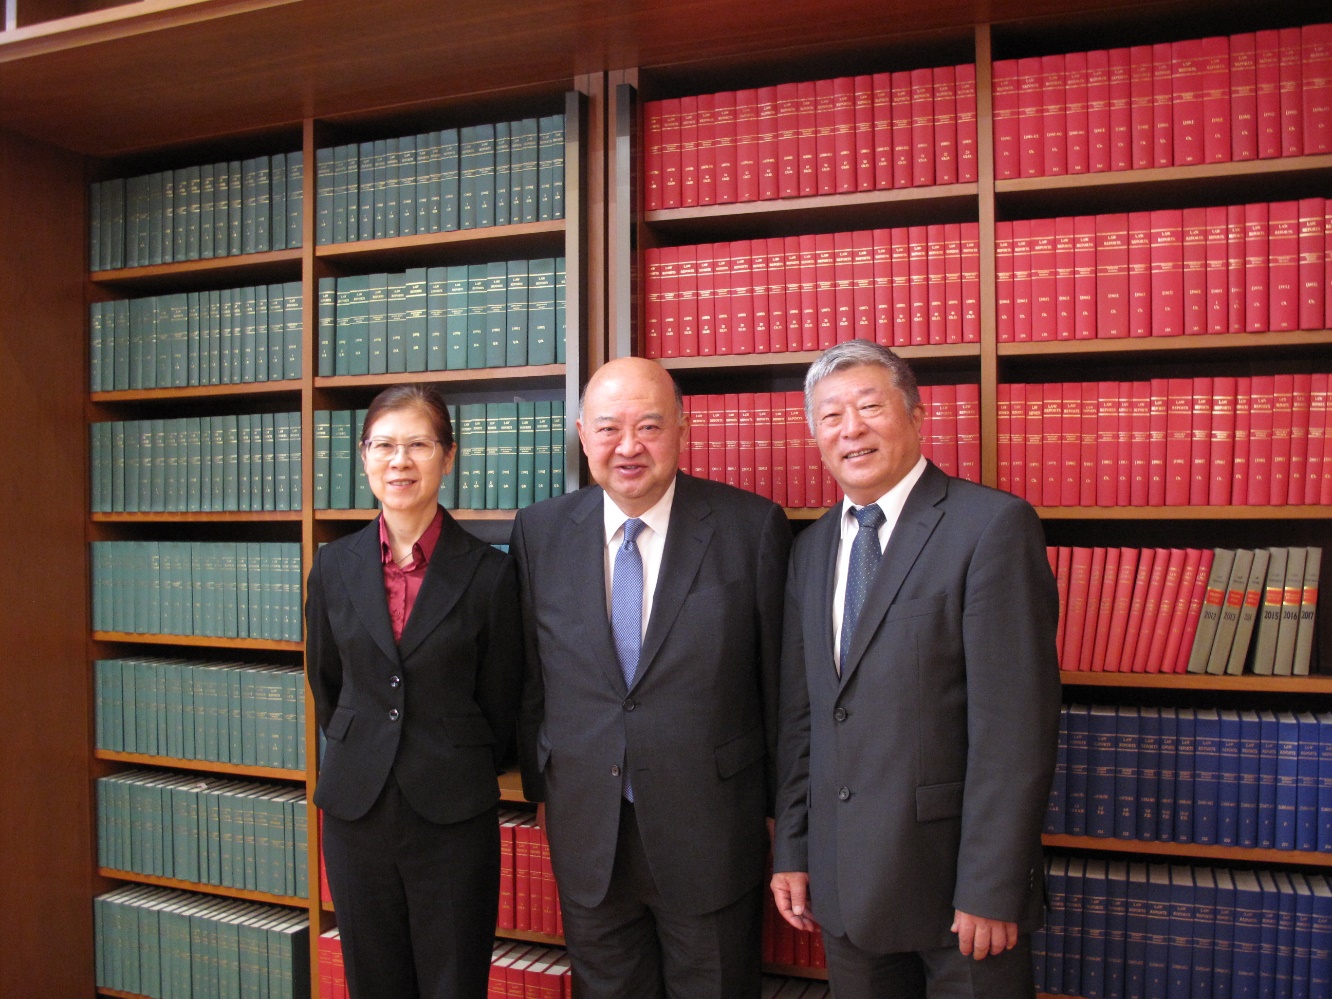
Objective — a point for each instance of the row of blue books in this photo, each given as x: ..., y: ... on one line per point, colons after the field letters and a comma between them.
x: 171, y: 944
x: 473, y: 177
x: 246, y: 461
x: 197, y: 212
x: 1195, y: 775
x: 219, y: 337
x: 220, y: 589
x: 206, y: 830
x: 245, y: 714
x: 1121, y: 930
x: 501, y: 314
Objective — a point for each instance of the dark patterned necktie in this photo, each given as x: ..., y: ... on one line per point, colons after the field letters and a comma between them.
x: 865, y: 554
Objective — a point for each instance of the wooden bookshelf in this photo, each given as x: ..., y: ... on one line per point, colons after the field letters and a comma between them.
x: 1190, y: 851
x: 200, y: 766
x: 207, y: 889
x: 202, y: 641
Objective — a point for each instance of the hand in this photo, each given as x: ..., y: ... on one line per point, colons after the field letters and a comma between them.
x: 980, y: 938
x: 790, y: 890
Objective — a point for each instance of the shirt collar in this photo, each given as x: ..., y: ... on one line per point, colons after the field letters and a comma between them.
x: 424, y: 547
x: 893, y: 500
x: 658, y: 517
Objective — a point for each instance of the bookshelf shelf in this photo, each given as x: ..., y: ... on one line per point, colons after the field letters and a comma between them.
x: 1313, y: 343
x: 284, y: 265
x: 511, y: 788
x: 1293, y: 513
x: 253, y: 896
x: 466, y: 377
x: 216, y: 517
x: 1236, y: 854
x: 204, y: 641
x: 456, y: 246
x: 199, y: 766
x: 234, y: 390
x: 530, y: 936
x: 1194, y: 681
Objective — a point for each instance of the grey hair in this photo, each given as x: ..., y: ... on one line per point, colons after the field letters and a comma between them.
x: 860, y: 353
x: 675, y: 387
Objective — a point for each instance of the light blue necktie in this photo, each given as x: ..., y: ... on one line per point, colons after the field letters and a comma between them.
x: 627, y: 611
x: 865, y: 554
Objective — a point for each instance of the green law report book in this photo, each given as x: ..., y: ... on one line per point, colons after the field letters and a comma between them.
x: 341, y: 455
x: 526, y: 454
x: 322, y: 442
x: 397, y: 324
x: 541, y: 451
x: 324, y: 167
x: 557, y: 450
x: 436, y: 286
x: 449, y: 174
x: 478, y: 303
x: 471, y: 456
x: 497, y: 326
x: 364, y: 498
x: 407, y: 172
x: 503, y: 151
x: 561, y: 312
x: 365, y: 191
x: 516, y: 318
x: 293, y: 319
x: 377, y: 322
x: 328, y: 324
x: 541, y: 311
x: 415, y: 318
x: 457, y: 317
x: 523, y: 165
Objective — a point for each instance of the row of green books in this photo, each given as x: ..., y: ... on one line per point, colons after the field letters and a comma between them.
x: 455, y: 178
x: 197, y: 212
x: 246, y: 461
x: 220, y: 337
x: 170, y: 944
x: 217, y: 589
x: 244, y: 714
x: 206, y: 830
x: 510, y: 455
x: 501, y: 314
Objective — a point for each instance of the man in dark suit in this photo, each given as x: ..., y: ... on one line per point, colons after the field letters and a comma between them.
x: 920, y: 702
x: 652, y: 608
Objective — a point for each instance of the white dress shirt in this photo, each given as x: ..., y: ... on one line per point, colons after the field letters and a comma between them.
x: 891, y: 504
x: 651, y: 542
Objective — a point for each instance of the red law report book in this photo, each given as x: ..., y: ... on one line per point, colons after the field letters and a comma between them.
x: 1107, y: 442
x: 1052, y: 443
x: 722, y: 332
x: 882, y: 272
x: 1003, y: 440
x: 902, y: 129
x: 766, y: 153
x: 1093, y: 652
x: 1239, y: 484
x: 1092, y: 617
x: 1078, y: 135
x: 844, y: 306
x: 970, y: 252
x: 1283, y: 399
x: 1187, y: 102
x: 1043, y: 279
x: 1313, y: 270
x: 788, y: 144
x: 1003, y: 281
x: 1316, y: 41
x: 707, y: 149
x: 1177, y: 581
x: 796, y: 432
x: 1257, y: 313
x: 1031, y: 145
x: 1238, y: 294
x: 686, y: 298
x: 1022, y: 280
x: 653, y: 137
x: 688, y: 151
x: 1215, y: 279
x: 968, y: 432
x: 669, y: 281
x: 952, y: 281
x: 1291, y: 98
x: 864, y: 146
x: 1200, y: 441
x: 746, y: 145
x: 1267, y: 74
x: 705, y: 297
x: 807, y: 137
x: 1283, y: 265
x: 900, y: 239
x: 844, y: 134
x: 1167, y: 272
x: 741, y: 298
x: 1164, y: 566
x: 1004, y: 94
x: 1137, y: 622
x: 967, y: 155
x: 1140, y: 438
x: 1195, y: 606
x: 1079, y: 586
x: 670, y: 153
x: 724, y: 142
x: 883, y: 130
x: 1098, y: 111
x: 1319, y: 463
x: 1121, y: 125
x: 1194, y: 239
x: 1084, y: 277
x: 1140, y: 105
x: 1299, y: 437
x: 1221, y: 450
x: 1112, y: 291
x: 1035, y: 442
x: 651, y: 337
x: 1163, y: 95
x: 1087, y: 444
x: 945, y: 124
x: 747, y: 437
x: 1156, y: 443
x: 1125, y: 577
x: 1065, y: 323
x: 1188, y: 605
x: 922, y: 128
x: 773, y: 299
x: 1216, y: 110
x: 1243, y: 98
x: 1140, y: 274
x: 1179, y: 430
x: 1261, y: 403
x: 1054, y: 116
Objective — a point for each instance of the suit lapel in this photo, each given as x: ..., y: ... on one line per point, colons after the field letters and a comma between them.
x: 919, y: 517
x: 687, y: 540
x: 363, y: 576
x: 584, y: 580
x: 452, y: 565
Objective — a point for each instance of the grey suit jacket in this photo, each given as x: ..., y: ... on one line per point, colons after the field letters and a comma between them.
x: 438, y: 708
x: 916, y: 782
x: 698, y: 728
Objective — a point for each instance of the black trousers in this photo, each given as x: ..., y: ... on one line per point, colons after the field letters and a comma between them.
x: 944, y: 973
x: 632, y: 946
x: 416, y: 901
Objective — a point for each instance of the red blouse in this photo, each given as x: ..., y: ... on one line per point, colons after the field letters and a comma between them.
x: 403, y: 583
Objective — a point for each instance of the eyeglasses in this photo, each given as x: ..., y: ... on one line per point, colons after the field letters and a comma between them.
x: 379, y: 449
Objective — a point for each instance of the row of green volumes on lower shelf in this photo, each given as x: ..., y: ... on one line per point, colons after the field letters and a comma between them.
x: 244, y: 714
x: 1120, y: 930
x: 247, y: 462
x: 1239, y: 778
x: 170, y: 944
x: 495, y: 315
x: 221, y: 337
x: 473, y: 177
x: 207, y: 830
x: 197, y: 212
x: 217, y: 589
x: 510, y: 455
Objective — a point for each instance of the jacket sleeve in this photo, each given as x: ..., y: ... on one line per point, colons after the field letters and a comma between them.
x: 323, y: 661
x: 790, y: 842
x: 533, y: 705
x: 774, y: 554
x: 499, y: 669
x: 1009, y: 620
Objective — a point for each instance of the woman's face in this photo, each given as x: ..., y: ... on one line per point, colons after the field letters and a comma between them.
x: 404, y: 484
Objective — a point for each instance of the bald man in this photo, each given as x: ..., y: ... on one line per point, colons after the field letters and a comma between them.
x: 652, y: 609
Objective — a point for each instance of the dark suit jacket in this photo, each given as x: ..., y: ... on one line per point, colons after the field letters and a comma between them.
x: 453, y: 681
x: 698, y: 728
x: 916, y: 782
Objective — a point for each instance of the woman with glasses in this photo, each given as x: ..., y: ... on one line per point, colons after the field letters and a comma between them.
x: 413, y: 653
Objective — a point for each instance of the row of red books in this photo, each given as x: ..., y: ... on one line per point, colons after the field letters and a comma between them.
x: 1178, y: 610
x: 912, y: 128
x: 1173, y: 272
x: 760, y: 442
x: 528, y: 897
x: 911, y: 285
x: 1255, y: 95
x: 529, y: 971
x: 332, y: 972
x: 1219, y: 441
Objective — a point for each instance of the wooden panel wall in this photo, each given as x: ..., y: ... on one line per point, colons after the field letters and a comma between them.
x: 46, y: 851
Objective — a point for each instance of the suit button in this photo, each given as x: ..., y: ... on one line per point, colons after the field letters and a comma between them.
x: 615, y: 771
x: 394, y: 681
x: 840, y: 714
x: 394, y: 714
x: 844, y: 794
x: 629, y: 704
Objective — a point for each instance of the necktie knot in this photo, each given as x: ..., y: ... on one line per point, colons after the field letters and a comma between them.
x: 633, y: 526
x: 870, y: 516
